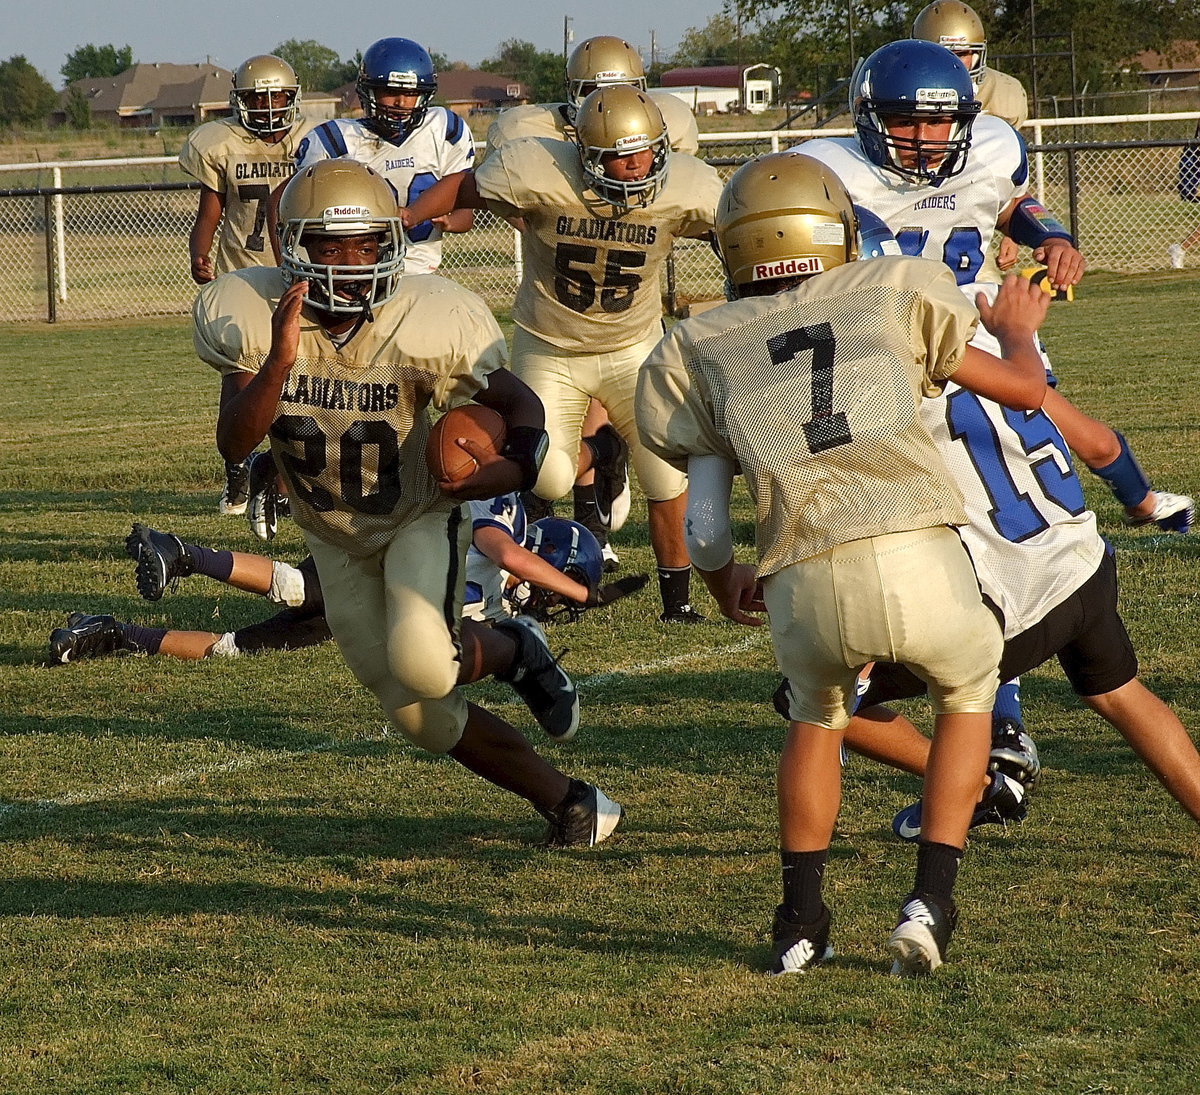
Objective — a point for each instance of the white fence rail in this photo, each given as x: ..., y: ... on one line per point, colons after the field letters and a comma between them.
x: 101, y: 239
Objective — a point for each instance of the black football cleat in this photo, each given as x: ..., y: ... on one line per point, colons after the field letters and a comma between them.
x: 539, y: 680
x: 236, y: 492
x: 1014, y: 753
x: 922, y: 935
x: 682, y: 614
x: 263, y: 508
x: 610, y: 462
x: 797, y: 947
x: 88, y: 637
x: 588, y: 817
x: 161, y: 560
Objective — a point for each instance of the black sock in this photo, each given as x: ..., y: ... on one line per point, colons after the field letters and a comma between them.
x: 937, y: 869
x: 802, y: 876
x: 147, y: 640
x: 583, y: 500
x: 536, y: 507
x: 210, y: 562
x: 674, y: 586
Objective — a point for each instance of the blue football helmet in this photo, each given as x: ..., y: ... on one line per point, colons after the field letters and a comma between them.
x: 395, y: 64
x: 913, y: 80
x: 566, y: 546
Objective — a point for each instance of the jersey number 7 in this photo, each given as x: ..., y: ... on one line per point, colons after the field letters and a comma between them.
x: 825, y: 430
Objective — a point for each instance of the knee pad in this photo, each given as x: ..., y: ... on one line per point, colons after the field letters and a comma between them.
x: 433, y: 725
x: 557, y: 476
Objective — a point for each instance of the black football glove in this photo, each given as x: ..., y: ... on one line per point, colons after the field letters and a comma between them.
x: 614, y: 591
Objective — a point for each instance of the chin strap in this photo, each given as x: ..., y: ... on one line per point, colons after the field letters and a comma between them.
x: 365, y: 316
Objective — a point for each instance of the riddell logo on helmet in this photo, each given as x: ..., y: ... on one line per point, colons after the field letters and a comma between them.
x: 633, y: 142
x: 610, y: 74
x: 347, y: 211
x: 765, y: 271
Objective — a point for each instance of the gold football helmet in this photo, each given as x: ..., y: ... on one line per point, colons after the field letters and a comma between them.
x: 614, y: 121
x: 261, y: 75
x: 341, y: 198
x: 784, y: 215
x: 599, y: 62
x: 953, y: 24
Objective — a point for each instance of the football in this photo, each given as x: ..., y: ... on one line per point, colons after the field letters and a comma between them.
x: 448, y: 462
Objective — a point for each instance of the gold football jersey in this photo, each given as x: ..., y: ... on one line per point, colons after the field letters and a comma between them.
x: 244, y: 171
x: 352, y: 421
x: 814, y: 393
x: 550, y: 120
x: 591, y: 279
x: 681, y: 122
x: 1003, y: 96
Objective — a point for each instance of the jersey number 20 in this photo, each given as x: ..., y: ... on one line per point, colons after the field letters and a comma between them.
x: 306, y: 459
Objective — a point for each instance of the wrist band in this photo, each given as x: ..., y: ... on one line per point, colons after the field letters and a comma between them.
x: 526, y: 446
x: 1031, y: 225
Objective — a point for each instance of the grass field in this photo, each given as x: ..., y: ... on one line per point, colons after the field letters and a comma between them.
x: 226, y: 877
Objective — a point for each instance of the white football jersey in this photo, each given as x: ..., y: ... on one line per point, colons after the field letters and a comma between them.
x: 950, y: 220
x: 441, y: 145
x: 1030, y: 534
x: 484, y: 599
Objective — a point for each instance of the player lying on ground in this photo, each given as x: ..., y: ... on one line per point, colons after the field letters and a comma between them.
x: 855, y: 510
x: 497, y: 553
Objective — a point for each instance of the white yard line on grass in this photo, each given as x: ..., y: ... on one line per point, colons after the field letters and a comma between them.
x: 104, y: 794
x: 747, y: 643
x: 260, y: 760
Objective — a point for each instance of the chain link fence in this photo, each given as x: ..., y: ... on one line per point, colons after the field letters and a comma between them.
x: 108, y: 239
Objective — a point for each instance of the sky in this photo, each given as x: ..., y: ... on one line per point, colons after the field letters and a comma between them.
x: 226, y: 32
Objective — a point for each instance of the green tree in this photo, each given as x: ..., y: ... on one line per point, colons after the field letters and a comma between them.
x: 79, y: 109
x: 1106, y: 34
x: 542, y: 70
x: 26, y: 97
x: 318, y: 68
x: 720, y: 41
x: 92, y: 60
x: 814, y: 42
